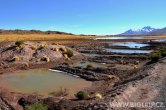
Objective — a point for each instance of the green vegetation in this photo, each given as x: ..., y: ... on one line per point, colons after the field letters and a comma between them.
x: 82, y: 95
x: 66, y: 63
x: 163, y: 52
x: 69, y: 53
x: 155, y: 56
x: 89, y: 66
x: 37, y: 106
x: 19, y: 43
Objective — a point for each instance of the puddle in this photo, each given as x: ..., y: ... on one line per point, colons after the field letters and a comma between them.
x: 42, y: 81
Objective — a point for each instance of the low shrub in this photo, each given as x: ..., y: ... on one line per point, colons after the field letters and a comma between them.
x: 16, y: 58
x: 60, y: 93
x: 26, y: 64
x: 65, y: 63
x: 89, y: 66
x: 163, y: 53
x: 62, y: 49
x: 69, y: 53
x: 66, y: 56
x: 18, y: 48
x: 98, y: 96
x: 37, y: 106
x: 137, y: 62
x: 33, y: 47
x: 19, y: 43
x: 54, y: 43
x: 55, y: 49
x: 155, y: 57
x: 82, y: 95
x: 38, y: 60
x: 42, y: 46
x: 45, y: 58
x: 135, y: 66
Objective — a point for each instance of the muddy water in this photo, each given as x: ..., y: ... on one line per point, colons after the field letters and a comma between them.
x: 42, y: 81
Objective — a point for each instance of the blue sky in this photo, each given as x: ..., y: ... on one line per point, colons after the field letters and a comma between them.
x: 82, y: 16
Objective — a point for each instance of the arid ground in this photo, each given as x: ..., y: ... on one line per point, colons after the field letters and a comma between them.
x: 116, y: 76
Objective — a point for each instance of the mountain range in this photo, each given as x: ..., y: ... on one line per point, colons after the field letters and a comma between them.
x: 19, y: 31
x: 146, y: 31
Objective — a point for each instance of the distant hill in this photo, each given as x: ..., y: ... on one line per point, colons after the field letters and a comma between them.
x: 144, y: 31
x: 17, y: 31
x: 158, y: 32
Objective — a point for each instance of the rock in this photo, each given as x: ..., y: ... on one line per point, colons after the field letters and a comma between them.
x: 22, y: 102
x: 97, y: 106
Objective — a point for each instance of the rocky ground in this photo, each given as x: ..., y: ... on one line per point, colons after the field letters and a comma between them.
x: 147, y: 85
x: 126, y: 78
x: 151, y: 88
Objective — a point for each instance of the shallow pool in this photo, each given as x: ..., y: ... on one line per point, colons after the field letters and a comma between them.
x: 160, y: 40
x: 126, y: 51
x: 41, y: 81
x: 130, y: 44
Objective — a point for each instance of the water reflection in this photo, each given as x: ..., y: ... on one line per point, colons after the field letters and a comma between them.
x: 130, y: 44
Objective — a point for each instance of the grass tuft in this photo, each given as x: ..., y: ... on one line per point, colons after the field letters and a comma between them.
x: 37, y: 106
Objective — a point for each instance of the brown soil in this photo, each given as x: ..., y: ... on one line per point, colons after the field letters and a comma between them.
x: 136, y: 85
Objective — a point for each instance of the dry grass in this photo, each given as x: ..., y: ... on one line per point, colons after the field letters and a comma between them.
x: 16, y: 58
x: 33, y: 47
x: 51, y: 37
x: 45, y: 58
x: 155, y: 37
x: 60, y: 93
x: 35, y: 37
x: 25, y: 64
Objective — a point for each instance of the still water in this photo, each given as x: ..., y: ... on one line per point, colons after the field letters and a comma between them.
x: 119, y: 38
x: 127, y: 51
x: 130, y: 44
x: 41, y: 81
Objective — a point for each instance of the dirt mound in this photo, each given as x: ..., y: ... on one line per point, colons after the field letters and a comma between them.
x: 35, y: 52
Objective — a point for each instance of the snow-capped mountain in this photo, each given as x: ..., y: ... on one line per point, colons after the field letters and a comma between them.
x: 143, y: 31
x: 147, y: 29
x: 158, y: 32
